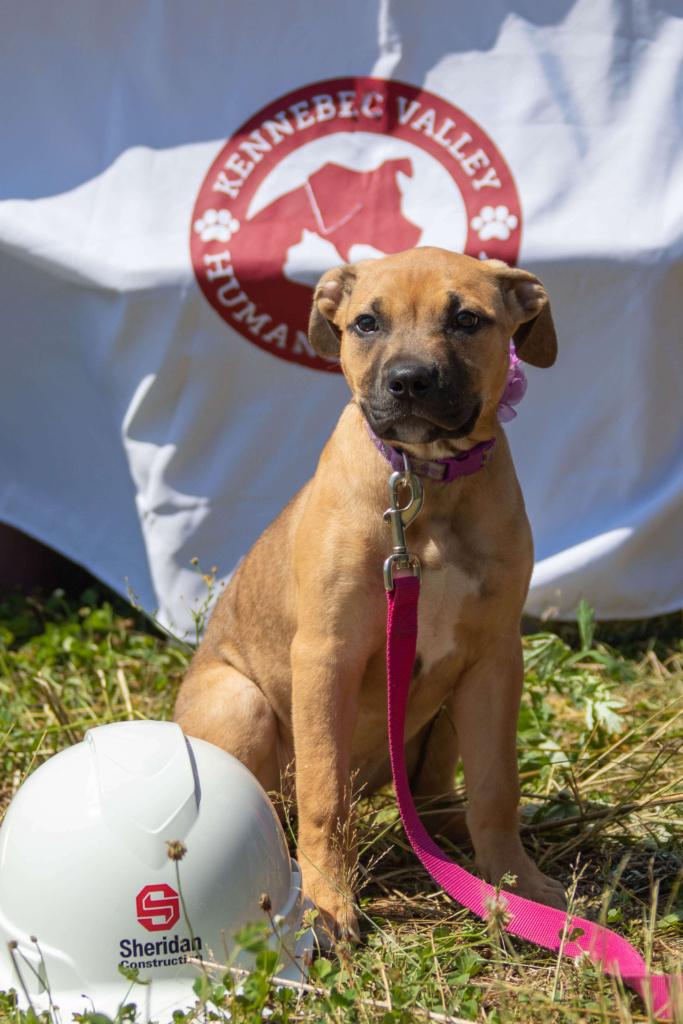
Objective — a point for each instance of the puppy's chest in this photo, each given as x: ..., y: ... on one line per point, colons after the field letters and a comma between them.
x: 447, y: 587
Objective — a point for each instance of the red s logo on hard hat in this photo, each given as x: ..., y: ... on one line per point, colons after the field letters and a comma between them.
x: 158, y: 907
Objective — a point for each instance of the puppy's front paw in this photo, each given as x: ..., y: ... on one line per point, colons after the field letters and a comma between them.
x: 329, y: 929
x: 329, y: 932
x: 336, y: 921
x: 530, y: 882
x: 534, y: 885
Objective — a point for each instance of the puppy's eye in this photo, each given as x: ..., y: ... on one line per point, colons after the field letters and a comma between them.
x: 366, y: 323
x: 466, y: 319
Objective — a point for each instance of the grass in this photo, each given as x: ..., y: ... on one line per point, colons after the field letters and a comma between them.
x: 600, y: 748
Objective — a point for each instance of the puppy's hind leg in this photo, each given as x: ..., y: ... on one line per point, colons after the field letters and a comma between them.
x: 221, y: 705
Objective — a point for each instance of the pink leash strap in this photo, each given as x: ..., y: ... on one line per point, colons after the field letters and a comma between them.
x: 534, y: 922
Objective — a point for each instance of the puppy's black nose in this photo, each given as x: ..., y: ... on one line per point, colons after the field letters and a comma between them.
x: 409, y: 381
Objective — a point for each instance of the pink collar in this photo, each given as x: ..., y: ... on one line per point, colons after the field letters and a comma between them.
x: 446, y: 470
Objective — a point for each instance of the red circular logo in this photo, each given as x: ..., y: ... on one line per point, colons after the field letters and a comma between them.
x: 158, y: 907
x: 332, y: 173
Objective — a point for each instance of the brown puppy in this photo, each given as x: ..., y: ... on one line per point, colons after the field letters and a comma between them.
x: 292, y: 666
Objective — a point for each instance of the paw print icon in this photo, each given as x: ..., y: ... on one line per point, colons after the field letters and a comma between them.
x: 493, y: 222
x: 216, y: 226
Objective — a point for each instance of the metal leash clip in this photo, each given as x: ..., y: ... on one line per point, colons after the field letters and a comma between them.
x: 398, y: 518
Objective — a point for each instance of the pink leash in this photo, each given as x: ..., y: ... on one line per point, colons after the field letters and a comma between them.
x: 531, y: 921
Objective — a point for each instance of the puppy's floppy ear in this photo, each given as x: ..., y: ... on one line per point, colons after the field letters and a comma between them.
x: 528, y: 306
x: 324, y: 333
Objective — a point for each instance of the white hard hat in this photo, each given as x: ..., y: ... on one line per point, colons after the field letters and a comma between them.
x: 84, y: 869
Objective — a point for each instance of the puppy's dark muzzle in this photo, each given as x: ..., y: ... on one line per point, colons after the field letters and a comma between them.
x: 410, y: 401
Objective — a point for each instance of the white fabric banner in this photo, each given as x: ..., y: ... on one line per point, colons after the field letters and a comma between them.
x: 175, y: 177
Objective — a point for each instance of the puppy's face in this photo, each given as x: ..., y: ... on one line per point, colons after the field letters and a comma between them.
x: 424, y: 339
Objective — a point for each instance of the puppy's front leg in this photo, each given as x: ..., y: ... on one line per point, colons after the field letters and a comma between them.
x: 327, y: 673
x: 486, y: 707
